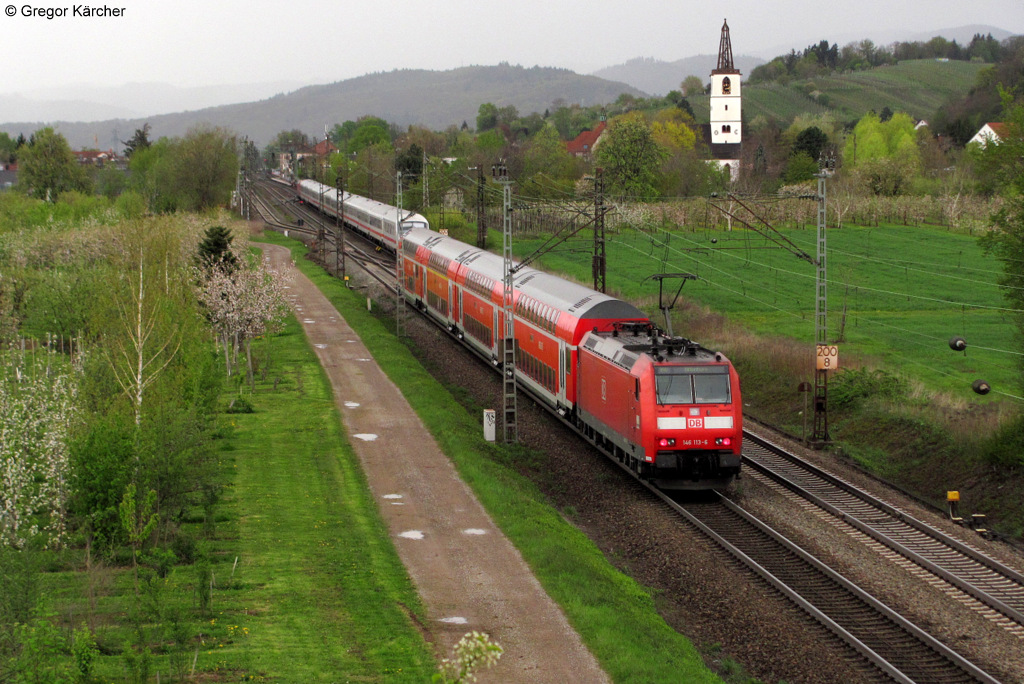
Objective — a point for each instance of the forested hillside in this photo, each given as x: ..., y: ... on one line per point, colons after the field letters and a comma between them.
x: 436, y: 99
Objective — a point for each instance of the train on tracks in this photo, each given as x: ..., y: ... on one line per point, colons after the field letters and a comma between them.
x: 666, y: 407
x: 376, y: 221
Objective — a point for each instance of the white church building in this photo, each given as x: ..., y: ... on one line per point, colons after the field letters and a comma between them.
x: 726, y: 109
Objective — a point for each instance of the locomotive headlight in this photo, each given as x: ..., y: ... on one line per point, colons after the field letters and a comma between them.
x: 723, y: 441
x: 666, y: 442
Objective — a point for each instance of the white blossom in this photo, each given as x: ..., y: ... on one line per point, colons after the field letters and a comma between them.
x: 242, y: 303
x: 37, y: 407
x: 475, y: 651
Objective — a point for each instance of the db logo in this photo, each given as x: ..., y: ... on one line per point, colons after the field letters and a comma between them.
x: 695, y: 423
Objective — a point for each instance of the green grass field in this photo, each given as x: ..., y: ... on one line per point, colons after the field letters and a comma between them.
x: 896, y: 294
x: 330, y: 596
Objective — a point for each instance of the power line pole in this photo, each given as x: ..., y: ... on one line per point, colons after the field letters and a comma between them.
x: 823, y: 353
x: 599, y: 262
x: 399, y: 260
x: 426, y: 186
x: 509, y: 338
x: 481, y: 225
x: 339, y: 241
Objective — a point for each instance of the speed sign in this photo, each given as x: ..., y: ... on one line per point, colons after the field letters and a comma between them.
x: 828, y: 357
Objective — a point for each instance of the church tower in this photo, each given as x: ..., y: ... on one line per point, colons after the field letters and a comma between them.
x: 726, y: 108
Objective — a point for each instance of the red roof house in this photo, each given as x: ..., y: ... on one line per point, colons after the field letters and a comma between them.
x: 585, y: 142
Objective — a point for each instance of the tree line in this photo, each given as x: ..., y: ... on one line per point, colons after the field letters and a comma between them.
x: 825, y: 58
x: 195, y: 172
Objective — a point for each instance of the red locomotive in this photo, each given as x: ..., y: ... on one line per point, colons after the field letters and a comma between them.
x: 666, y: 407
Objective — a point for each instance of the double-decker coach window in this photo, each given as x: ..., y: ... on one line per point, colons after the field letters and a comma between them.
x: 692, y: 384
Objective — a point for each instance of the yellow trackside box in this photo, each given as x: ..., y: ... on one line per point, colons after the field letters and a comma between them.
x: 952, y: 496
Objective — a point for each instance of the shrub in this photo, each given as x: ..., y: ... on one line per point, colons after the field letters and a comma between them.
x: 84, y: 650
x: 849, y: 385
x: 161, y: 560
x: 184, y: 548
x: 1006, y: 446
x: 240, y: 405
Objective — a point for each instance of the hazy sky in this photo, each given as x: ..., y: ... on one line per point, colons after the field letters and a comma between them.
x: 187, y: 42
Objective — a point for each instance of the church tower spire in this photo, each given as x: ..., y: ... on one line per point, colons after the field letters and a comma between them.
x: 725, y: 65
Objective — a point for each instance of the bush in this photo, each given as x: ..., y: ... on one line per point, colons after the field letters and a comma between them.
x: 184, y: 548
x: 84, y: 650
x: 240, y: 405
x: 848, y: 386
x: 161, y: 560
x: 801, y: 167
x: 130, y: 205
x: 1006, y: 447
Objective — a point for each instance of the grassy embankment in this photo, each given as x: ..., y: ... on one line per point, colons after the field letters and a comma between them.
x: 615, y: 617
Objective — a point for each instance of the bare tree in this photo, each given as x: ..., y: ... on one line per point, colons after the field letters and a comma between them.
x: 138, y: 359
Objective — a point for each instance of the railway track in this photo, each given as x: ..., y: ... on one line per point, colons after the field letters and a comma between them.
x: 897, y: 649
x: 363, y: 253
x: 991, y: 588
x: 902, y: 651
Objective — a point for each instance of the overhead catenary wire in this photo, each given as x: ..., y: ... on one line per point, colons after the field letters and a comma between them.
x: 856, y: 317
x: 802, y: 319
x: 879, y: 290
x: 570, y: 202
x: 902, y: 263
x: 563, y: 200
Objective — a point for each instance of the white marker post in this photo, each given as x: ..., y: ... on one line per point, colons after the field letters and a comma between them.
x: 490, y: 423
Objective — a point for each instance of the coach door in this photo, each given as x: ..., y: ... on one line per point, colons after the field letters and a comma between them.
x: 452, y: 304
x: 499, y: 336
x: 561, y: 369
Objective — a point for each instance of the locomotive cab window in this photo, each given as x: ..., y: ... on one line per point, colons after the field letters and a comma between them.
x: 692, y: 384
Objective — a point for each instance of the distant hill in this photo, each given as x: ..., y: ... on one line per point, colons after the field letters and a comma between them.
x: 961, y: 34
x: 917, y: 87
x: 436, y: 99
x: 657, y: 77
x: 130, y: 100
